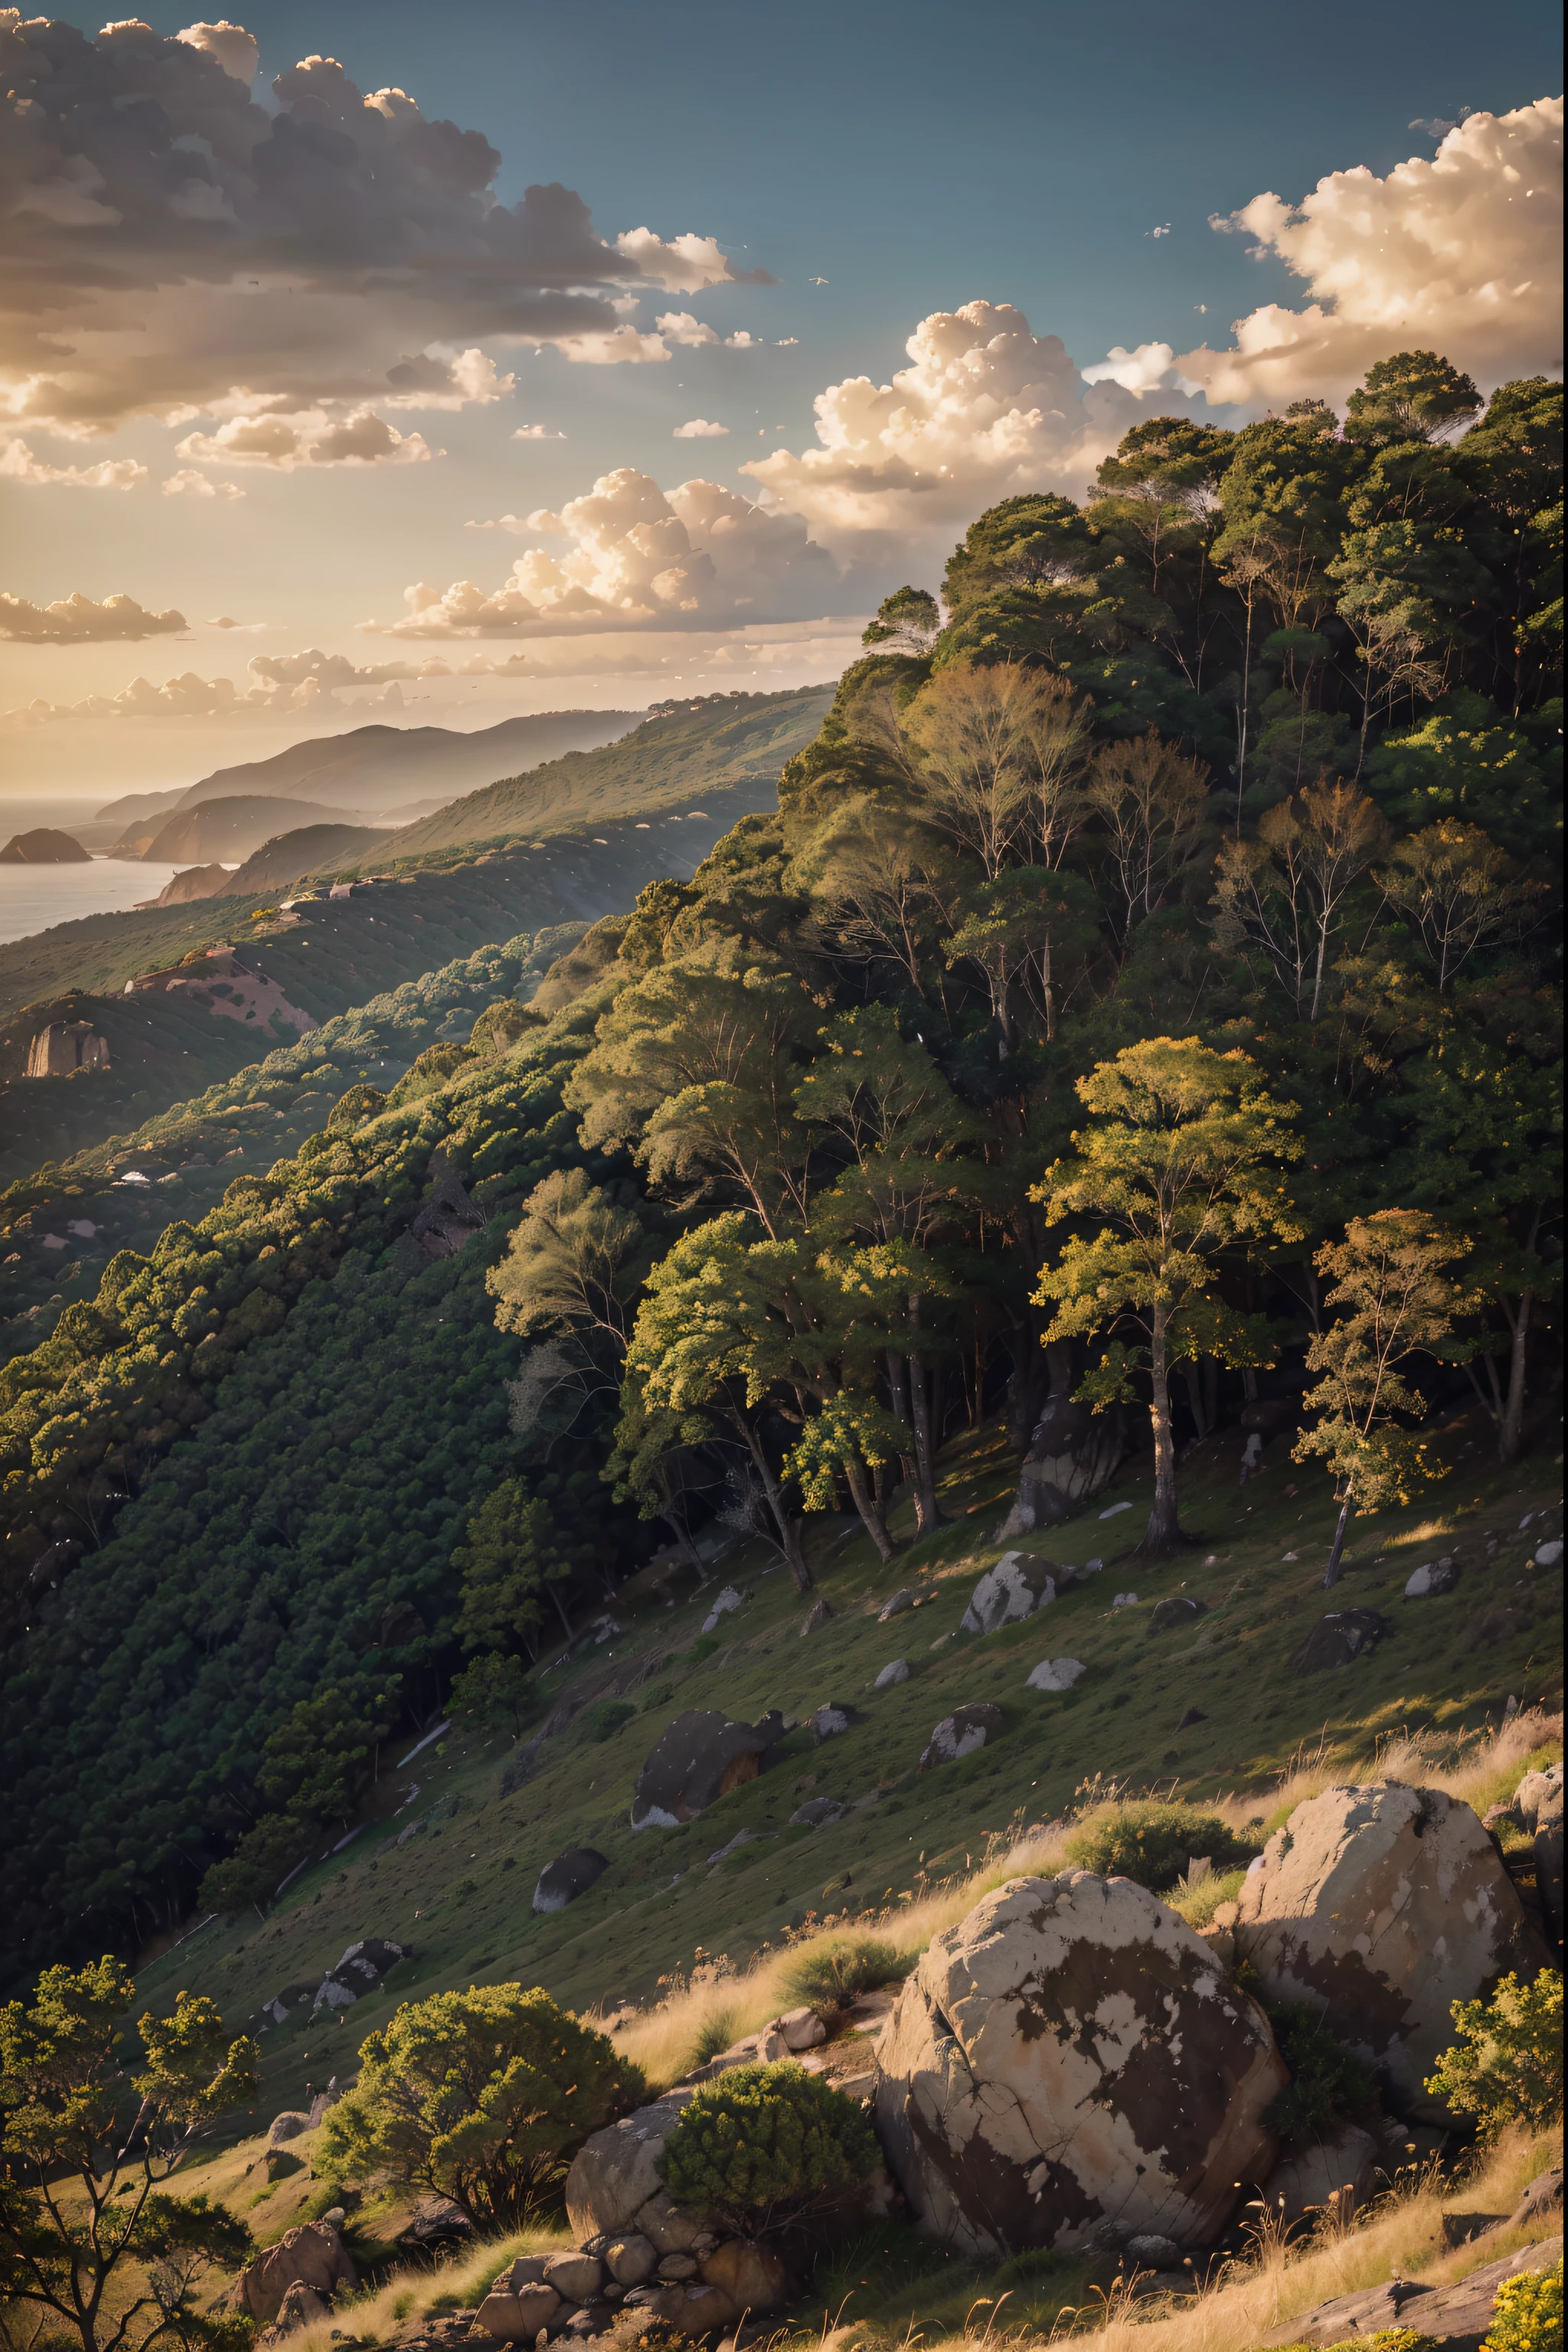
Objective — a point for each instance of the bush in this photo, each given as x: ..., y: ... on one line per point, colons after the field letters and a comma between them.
x: 1153, y: 1842
x: 1507, y: 2064
x: 1328, y: 2085
x: 1527, y: 2313
x: 829, y: 1976
x: 483, y: 2096
x: 604, y: 1720
x: 1196, y: 1903
x: 764, y: 2146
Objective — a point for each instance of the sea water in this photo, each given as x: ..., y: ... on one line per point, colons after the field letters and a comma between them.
x: 34, y: 898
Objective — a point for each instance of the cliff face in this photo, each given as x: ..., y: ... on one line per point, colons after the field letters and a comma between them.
x: 44, y: 846
x: 65, y: 1048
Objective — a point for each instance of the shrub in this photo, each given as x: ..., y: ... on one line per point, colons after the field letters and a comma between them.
x: 1507, y: 2064
x: 604, y: 1720
x: 483, y: 2096
x: 714, y: 2035
x: 1527, y: 2315
x: 1328, y: 2085
x: 1153, y: 1842
x: 1196, y: 1901
x: 829, y: 1976
x: 764, y: 2146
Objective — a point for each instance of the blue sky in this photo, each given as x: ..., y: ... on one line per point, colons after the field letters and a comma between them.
x: 914, y: 157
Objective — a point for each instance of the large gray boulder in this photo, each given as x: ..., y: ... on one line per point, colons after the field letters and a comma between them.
x: 1073, y: 1455
x: 1015, y: 1588
x: 615, y: 2173
x: 1539, y: 1801
x: 1337, y: 1640
x: 359, y: 1971
x: 1381, y: 1906
x: 1067, y: 2067
x: 962, y: 1732
x: 701, y: 1756
x: 570, y: 1875
x: 311, y: 2255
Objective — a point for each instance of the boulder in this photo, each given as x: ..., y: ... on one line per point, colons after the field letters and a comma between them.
x: 615, y: 2173
x: 1433, y: 1577
x: 570, y: 1875
x: 830, y: 1721
x: 516, y: 2314
x: 800, y: 2028
x: 1456, y: 2315
x: 1179, y: 1609
x: 1067, y: 2067
x: 753, y: 2276
x: 1548, y: 1555
x: 1155, y: 2252
x: 301, y: 2307
x: 701, y: 1756
x: 1307, y: 2178
x: 281, y: 2006
x: 962, y: 1732
x: 1542, y: 2200
x: 1015, y: 1588
x: 1336, y: 1639
x: 696, y: 2308
x: 312, y: 2255
x: 1538, y: 1789
x: 288, y: 2125
x: 669, y: 2230
x: 899, y: 1672
x: 728, y: 1602
x: 818, y: 1615
x: 817, y: 1812
x: 1056, y: 1675
x: 631, y: 2258
x: 677, y: 2266
x: 1539, y: 1801
x: 363, y: 1965
x: 1073, y: 1455
x: 575, y: 2276
x: 1381, y: 1906
x: 904, y: 1598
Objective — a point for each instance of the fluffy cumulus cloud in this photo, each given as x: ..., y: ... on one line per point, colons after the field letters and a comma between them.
x: 78, y: 621
x: 1460, y: 254
x: 284, y: 684
x: 310, y: 438
x: 986, y: 408
x: 188, y: 484
x: 17, y: 464
x: 635, y: 556
x: 699, y: 428
x: 169, y: 240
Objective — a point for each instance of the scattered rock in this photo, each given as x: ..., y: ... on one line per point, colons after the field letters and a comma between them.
x: 615, y: 2176
x: 570, y: 1875
x: 301, y: 2307
x: 631, y: 2259
x: 727, y: 1600
x: 817, y: 1616
x: 1381, y: 1906
x: 1156, y: 2252
x: 1179, y: 1609
x: 1308, y: 2178
x: 754, y: 2278
x: 677, y: 2266
x: 800, y: 2028
x: 1436, y: 1576
x: 363, y: 1965
x: 1193, y: 1715
x: 671, y: 2231
x: 831, y: 1721
x: 281, y: 2006
x: 1338, y: 1638
x: 740, y: 1838
x: 905, y: 1597
x: 288, y: 2125
x: 899, y: 1672
x: 1073, y: 1455
x: 1015, y: 1588
x: 1125, y: 1600
x: 1536, y: 1789
x: 1056, y: 1675
x: 1541, y: 2199
x: 1457, y: 2316
x: 701, y: 1756
x: 817, y: 1812
x: 962, y: 1732
x: 1539, y: 1798
x: 574, y: 2277
x: 1066, y: 2066
x: 516, y: 2314
x: 312, y: 2255
x: 1547, y: 1555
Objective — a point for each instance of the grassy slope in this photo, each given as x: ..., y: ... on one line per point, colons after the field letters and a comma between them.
x: 657, y: 766
x: 461, y: 1893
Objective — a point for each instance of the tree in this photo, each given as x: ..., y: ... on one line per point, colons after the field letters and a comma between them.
x: 1151, y: 801
x: 254, y: 1873
x: 494, y: 1691
x: 322, y: 1757
x: 1506, y: 2065
x: 995, y: 753
x: 1286, y: 892
x: 483, y: 2096
x: 1462, y: 892
x: 511, y: 1557
x: 765, y: 2146
x: 1414, y: 395
x: 571, y: 1263
x: 906, y: 623
x: 81, y: 2201
x: 1395, y: 1300
x: 1183, y: 1159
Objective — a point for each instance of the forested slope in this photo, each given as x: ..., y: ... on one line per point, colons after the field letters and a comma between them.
x: 1154, y: 955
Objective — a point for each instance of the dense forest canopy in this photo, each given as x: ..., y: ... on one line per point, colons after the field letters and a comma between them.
x: 1155, y: 917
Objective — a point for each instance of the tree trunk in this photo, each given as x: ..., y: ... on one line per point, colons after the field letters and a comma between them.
x: 1511, y: 1430
x: 788, y: 1530
x: 1163, y: 1534
x: 559, y: 1611
x: 898, y: 1403
x: 1331, y: 1573
x: 1026, y: 1384
x: 863, y: 1497
x: 1191, y: 1381
x: 927, y: 1515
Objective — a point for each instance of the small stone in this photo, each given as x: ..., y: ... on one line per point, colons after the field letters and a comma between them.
x: 899, y: 1672
x: 677, y: 2266
x: 1056, y: 1675
x: 905, y: 1597
x: 631, y: 2259
x: 817, y: 1812
x: 1158, y: 2253
x: 801, y: 2029
x: 960, y: 1733
x: 830, y: 1722
x: 1436, y: 1576
x: 1125, y: 1600
x: 1547, y: 1555
x: 819, y: 1616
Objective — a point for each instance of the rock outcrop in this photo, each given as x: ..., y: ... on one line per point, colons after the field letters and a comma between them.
x: 1382, y: 1906
x: 1539, y: 1801
x: 65, y: 1048
x: 1337, y: 1639
x: 1073, y: 1456
x: 701, y: 1756
x: 1069, y: 2068
x: 615, y: 2176
x: 962, y: 1732
x: 312, y: 2255
x: 570, y: 1875
x: 362, y: 1967
x: 1015, y: 1588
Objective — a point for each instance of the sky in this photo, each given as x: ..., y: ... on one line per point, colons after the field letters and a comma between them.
x: 432, y: 365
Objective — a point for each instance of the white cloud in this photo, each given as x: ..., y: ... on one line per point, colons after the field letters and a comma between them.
x: 244, y: 629
x: 986, y: 409
x: 1150, y: 368
x: 17, y: 464
x: 698, y: 428
x: 681, y: 327
x: 536, y: 433
x: 429, y: 380
x: 313, y: 437
x: 637, y: 556
x: 78, y: 621
x: 1461, y: 254
x: 188, y: 484
x: 170, y: 237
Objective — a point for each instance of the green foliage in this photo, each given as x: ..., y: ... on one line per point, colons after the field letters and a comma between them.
x: 830, y: 1974
x: 1328, y: 2087
x: 1151, y: 1842
x: 483, y: 2096
x: 263, y: 1858
x: 511, y: 1556
x: 494, y: 1692
x: 761, y: 2146
x: 1527, y: 2313
x: 321, y: 1759
x: 600, y: 1722
x: 1507, y: 2063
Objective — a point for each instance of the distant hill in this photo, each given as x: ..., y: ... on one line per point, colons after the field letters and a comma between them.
x: 289, y: 856
x: 44, y: 846
x: 722, y: 741
x: 223, y: 831
x: 375, y: 768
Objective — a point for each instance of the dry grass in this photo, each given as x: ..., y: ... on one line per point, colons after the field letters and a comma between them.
x: 457, y: 2283
x: 1480, y: 1768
